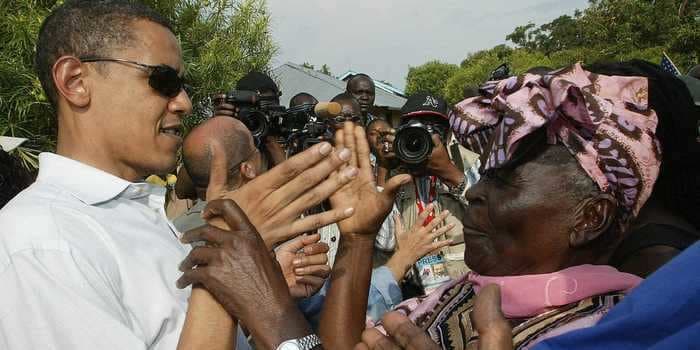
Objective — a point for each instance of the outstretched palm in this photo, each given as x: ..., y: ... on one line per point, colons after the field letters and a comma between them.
x: 371, y: 205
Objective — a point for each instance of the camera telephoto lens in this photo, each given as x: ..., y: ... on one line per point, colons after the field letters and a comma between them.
x: 257, y: 123
x: 413, y: 144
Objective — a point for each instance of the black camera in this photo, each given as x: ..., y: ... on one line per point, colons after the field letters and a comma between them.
x: 303, y: 127
x: 413, y: 143
x: 259, y: 115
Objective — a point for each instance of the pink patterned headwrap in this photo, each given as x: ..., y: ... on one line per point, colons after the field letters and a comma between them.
x: 604, y: 121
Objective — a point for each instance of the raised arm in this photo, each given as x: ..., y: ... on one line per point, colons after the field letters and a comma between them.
x: 343, y: 315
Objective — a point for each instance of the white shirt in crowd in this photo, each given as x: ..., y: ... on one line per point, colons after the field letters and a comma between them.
x: 88, y: 261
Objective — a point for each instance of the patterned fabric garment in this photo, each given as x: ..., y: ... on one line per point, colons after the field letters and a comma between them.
x: 449, y: 324
x: 604, y: 121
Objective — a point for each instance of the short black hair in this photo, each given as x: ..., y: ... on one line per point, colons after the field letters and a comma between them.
x: 294, y: 101
x: 257, y: 81
x: 345, y: 97
x: 87, y: 27
x: 358, y: 76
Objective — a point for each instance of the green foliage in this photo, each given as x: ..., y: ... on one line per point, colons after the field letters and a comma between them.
x: 605, y: 31
x: 221, y: 41
x: 430, y: 77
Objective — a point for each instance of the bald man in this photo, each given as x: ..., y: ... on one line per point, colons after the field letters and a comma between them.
x: 244, y: 161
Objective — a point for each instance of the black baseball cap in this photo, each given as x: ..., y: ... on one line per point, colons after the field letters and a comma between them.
x: 424, y: 104
x: 256, y: 81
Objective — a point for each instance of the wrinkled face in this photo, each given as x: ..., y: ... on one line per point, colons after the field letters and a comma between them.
x: 363, y: 91
x: 518, y: 220
x: 138, y: 127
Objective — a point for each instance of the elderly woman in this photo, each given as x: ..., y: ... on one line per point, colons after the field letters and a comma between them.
x: 568, y: 160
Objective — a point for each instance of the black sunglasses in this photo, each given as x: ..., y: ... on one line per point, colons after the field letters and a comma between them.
x: 162, y: 78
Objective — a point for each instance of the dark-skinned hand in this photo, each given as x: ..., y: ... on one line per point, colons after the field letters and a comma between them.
x: 401, y: 334
x: 371, y: 205
x: 440, y: 164
x: 236, y: 267
x: 494, y: 330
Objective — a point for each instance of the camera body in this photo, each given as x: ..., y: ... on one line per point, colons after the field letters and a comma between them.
x: 413, y: 143
x: 260, y: 116
x: 303, y: 128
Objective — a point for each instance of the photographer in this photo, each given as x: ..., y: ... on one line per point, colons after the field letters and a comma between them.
x: 268, y: 93
x: 441, y: 177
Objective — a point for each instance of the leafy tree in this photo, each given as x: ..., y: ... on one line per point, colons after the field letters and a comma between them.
x: 429, y: 77
x: 221, y: 41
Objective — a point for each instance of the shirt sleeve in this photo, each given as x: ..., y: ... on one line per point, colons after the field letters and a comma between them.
x: 57, y: 300
x: 384, y: 293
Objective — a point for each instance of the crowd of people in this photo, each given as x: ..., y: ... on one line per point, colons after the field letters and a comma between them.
x: 557, y: 209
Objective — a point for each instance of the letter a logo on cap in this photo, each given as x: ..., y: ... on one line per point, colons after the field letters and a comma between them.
x: 430, y: 101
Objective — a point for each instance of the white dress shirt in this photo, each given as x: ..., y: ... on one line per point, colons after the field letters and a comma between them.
x: 88, y: 261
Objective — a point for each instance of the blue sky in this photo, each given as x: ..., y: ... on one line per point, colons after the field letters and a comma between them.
x: 384, y: 37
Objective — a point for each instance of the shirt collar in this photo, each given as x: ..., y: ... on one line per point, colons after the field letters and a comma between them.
x: 88, y: 184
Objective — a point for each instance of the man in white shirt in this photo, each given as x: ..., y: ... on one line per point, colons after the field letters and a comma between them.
x: 88, y: 258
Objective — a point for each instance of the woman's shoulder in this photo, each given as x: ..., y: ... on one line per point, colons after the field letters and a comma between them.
x: 581, y: 314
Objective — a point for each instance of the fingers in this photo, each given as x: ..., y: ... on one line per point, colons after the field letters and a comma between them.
x: 363, y: 152
x: 437, y: 221
x: 494, y: 330
x: 398, y: 225
x: 320, y: 192
x: 429, y: 209
x: 406, y: 334
x: 195, y: 276
x: 293, y: 245
x: 361, y: 346
x: 232, y: 214
x: 350, y: 142
x: 339, y: 141
x: 440, y: 231
x: 199, y: 256
x: 225, y: 109
x: 372, y: 337
x: 218, y: 171
x: 321, y: 271
x: 307, y: 224
x: 392, y: 185
x: 313, y: 282
x: 487, y: 308
x: 292, y: 167
x: 311, y: 239
x: 318, y: 248
x: 309, y: 260
x: 207, y: 233
x: 439, y: 245
x: 311, y: 178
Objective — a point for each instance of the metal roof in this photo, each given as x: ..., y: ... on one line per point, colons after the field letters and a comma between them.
x: 293, y: 79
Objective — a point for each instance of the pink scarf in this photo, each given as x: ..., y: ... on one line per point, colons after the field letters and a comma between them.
x: 530, y: 295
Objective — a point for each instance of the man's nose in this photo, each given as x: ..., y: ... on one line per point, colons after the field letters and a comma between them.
x: 180, y: 104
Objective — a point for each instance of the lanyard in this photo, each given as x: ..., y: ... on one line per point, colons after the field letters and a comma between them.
x: 426, y: 193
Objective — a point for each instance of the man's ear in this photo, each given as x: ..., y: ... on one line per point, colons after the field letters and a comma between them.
x: 593, y: 217
x: 69, y: 78
x: 248, y: 171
